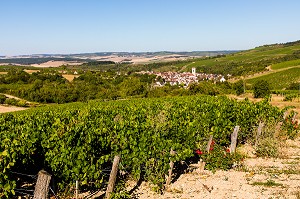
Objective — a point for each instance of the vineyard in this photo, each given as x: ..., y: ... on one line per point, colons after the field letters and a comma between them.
x: 78, y: 141
x: 286, y: 64
x: 279, y: 80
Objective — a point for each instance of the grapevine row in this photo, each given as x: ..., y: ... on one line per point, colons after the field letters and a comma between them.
x: 79, y: 140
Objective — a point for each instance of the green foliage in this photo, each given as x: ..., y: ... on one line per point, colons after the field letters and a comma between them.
x: 11, y: 101
x: 290, y: 97
x: 286, y: 64
x: 294, y: 86
x: 261, y: 89
x: 2, y: 98
x: 239, y: 87
x: 51, y: 87
x: 120, y: 191
x: 291, y: 126
x: 219, y: 158
x: 79, y: 140
x: 206, y: 88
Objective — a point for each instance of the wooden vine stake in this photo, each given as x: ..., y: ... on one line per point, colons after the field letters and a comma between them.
x: 234, y: 136
x: 42, y: 185
x: 169, y: 179
x: 112, y: 177
x: 258, y: 134
x: 209, y: 143
x: 285, y: 114
x: 76, y: 189
x: 294, y: 117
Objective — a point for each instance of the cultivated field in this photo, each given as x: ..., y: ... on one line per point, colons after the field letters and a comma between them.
x: 55, y: 64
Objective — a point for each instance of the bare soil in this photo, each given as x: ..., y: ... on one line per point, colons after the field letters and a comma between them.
x: 257, y: 178
x: 6, y: 109
x: 70, y: 77
x: 56, y: 64
x: 31, y: 71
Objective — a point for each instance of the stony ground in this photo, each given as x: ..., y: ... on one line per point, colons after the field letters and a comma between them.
x: 257, y: 178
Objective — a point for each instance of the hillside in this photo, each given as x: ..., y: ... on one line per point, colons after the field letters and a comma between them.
x: 249, y: 61
x: 241, y: 63
x: 279, y: 79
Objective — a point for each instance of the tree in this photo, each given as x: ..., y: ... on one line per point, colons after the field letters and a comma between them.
x: 261, y: 89
x: 239, y: 87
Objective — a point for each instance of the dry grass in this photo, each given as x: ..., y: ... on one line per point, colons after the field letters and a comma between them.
x: 70, y: 77
x: 31, y: 71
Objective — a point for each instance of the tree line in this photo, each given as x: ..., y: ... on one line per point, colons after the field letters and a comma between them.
x: 51, y: 87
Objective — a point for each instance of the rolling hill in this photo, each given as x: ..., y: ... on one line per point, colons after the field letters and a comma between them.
x: 252, y: 61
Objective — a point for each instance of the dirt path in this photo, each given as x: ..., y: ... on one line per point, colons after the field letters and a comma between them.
x: 259, y: 178
x: 10, y: 96
x: 6, y: 109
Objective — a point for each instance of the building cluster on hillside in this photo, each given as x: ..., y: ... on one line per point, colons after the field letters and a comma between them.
x: 185, y: 79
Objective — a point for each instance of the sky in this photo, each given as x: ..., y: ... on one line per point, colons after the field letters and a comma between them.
x: 83, y: 26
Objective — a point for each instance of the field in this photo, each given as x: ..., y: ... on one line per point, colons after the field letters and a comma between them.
x: 31, y: 71
x: 56, y: 64
x: 70, y: 77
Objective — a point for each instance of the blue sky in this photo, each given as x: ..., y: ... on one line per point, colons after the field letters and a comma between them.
x: 78, y: 26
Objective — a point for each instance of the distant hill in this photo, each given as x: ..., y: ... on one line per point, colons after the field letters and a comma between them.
x: 108, y: 56
x: 278, y: 63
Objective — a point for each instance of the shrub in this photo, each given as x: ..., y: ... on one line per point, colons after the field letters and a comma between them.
x: 291, y: 126
x: 2, y: 98
x: 220, y: 158
x: 239, y: 87
x: 22, y: 103
x: 11, y: 101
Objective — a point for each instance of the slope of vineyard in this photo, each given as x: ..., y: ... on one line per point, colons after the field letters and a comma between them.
x: 79, y: 140
x: 280, y: 79
x: 249, y: 61
x: 285, y: 64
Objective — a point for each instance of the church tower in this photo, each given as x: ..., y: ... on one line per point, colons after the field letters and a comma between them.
x: 194, y: 71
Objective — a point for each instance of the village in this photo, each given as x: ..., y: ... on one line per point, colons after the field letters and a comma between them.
x: 185, y: 78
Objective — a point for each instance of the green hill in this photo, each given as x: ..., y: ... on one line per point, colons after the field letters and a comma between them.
x: 242, y: 63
